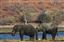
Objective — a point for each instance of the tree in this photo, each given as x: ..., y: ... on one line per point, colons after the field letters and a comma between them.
x: 20, y: 9
x: 44, y: 18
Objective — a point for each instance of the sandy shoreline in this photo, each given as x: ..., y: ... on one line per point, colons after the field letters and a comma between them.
x: 31, y: 41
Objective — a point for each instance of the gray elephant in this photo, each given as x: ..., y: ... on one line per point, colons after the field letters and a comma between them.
x: 47, y: 29
x: 28, y: 30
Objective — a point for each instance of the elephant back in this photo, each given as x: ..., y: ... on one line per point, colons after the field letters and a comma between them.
x: 28, y: 28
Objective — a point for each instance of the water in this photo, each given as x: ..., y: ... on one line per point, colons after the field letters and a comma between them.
x: 9, y: 36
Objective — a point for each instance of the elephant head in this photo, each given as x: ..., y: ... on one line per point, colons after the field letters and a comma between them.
x: 15, y: 29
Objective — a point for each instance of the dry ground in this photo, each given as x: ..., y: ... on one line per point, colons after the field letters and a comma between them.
x: 25, y: 40
x: 31, y: 41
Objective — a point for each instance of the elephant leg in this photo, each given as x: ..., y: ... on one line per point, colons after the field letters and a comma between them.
x: 21, y: 35
x: 44, y: 35
x: 31, y: 37
x: 53, y: 36
x: 36, y: 36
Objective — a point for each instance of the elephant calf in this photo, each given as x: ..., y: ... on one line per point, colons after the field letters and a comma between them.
x: 25, y: 30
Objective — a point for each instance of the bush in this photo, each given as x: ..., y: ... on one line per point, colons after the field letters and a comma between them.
x: 8, y: 20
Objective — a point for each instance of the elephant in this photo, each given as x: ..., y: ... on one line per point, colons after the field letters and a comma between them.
x: 25, y: 29
x: 47, y: 30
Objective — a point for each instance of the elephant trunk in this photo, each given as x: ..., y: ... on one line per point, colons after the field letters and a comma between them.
x: 13, y: 33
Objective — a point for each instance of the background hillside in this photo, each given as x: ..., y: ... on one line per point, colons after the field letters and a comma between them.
x: 35, y: 6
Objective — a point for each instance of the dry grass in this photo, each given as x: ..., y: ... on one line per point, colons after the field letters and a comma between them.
x: 30, y: 41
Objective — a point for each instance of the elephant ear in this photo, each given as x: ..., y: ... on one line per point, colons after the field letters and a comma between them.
x: 43, y: 26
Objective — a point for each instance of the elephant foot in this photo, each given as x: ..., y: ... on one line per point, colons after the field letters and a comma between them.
x: 44, y: 38
x: 21, y: 39
x: 32, y: 38
x: 53, y: 36
x: 36, y: 38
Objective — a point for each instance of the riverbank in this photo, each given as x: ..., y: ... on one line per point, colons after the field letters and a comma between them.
x: 31, y: 41
x: 18, y: 40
